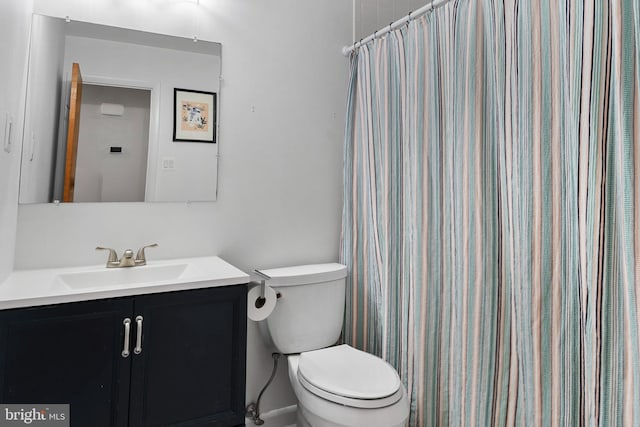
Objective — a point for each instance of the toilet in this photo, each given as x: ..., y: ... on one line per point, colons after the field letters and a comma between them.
x: 336, y: 385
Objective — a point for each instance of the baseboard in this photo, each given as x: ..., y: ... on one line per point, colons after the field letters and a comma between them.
x: 280, y: 417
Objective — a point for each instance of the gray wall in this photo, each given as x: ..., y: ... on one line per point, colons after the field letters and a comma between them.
x: 372, y: 15
x: 103, y: 176
x: 41, y: 121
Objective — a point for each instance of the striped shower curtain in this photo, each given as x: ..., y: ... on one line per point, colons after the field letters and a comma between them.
x: 491, y: 219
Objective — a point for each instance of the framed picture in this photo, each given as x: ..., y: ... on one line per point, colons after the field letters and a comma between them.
x: 194, y: 116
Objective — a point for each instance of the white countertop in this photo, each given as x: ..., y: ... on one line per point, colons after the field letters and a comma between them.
x: 26, y: 288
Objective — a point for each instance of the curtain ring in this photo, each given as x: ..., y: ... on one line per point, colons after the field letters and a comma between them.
x: 409, y: 19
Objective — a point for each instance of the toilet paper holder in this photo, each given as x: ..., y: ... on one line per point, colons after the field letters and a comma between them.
x: 261, y: 300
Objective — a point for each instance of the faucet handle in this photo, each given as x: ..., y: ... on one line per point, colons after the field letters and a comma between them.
x: 140, y: 256
x: 113, y: 256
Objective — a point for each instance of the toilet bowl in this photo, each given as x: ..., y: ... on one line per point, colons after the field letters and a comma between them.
x: 335, y: 385
x: 337, y: 398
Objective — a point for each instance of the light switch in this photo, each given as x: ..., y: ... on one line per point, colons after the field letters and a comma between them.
x: 168, y: 163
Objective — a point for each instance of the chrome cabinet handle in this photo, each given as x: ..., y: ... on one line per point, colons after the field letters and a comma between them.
x: 127, y: 326
x: 138, y: 347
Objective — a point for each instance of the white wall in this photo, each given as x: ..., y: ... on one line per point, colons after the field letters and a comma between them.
x: 15, y: 23
x: 41, y: 122
x: 280, y: 171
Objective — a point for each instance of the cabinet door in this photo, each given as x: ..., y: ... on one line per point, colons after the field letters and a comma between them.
x: 68, y: 353
x: 191, y: 370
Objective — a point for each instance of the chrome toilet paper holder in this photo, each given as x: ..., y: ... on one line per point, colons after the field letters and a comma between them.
x: 261, y: 300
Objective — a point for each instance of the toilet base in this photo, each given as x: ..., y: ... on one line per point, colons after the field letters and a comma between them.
x: 302, y: 421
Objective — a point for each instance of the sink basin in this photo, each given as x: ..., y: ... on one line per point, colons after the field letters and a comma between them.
x: 123, y: 276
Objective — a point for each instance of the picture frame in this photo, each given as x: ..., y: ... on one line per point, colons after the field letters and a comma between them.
x: 194, y: 116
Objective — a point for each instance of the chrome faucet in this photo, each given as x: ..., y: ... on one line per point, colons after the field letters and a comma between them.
x: 127, y: 259
x: 141, y: 259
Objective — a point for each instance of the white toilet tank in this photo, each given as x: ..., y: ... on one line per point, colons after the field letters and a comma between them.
x: 310, y: 310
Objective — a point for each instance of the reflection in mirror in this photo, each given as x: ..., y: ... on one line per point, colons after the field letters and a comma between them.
x: 108, y: 136
x: 112, y: 144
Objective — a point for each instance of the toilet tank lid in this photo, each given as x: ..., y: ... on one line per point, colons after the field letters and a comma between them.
x: 305, y: 274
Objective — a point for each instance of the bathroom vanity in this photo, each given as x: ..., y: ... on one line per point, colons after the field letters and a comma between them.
x: 155, y: 353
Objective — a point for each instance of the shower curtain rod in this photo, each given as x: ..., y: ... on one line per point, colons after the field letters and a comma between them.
x: 399, y: 23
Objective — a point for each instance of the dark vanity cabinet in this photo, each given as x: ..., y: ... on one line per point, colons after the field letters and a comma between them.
x: 68, y: 353
x: 192, y: 364
x: 166, y: 359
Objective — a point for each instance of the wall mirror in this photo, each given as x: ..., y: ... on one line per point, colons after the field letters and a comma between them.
x: 102, y: 115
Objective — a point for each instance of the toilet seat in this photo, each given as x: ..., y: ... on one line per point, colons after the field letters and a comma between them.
x: 350, y: 377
